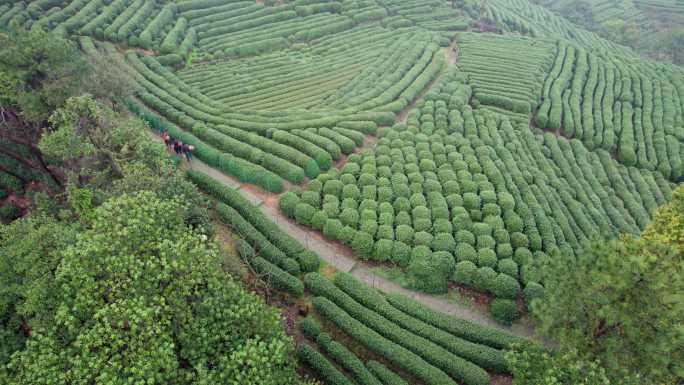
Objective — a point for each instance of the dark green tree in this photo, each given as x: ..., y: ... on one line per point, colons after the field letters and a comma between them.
x: 621, y: 302
x: 140, y: 297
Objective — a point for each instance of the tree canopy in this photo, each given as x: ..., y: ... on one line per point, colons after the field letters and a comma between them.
x: 620, y: 302
x: 140, y: 296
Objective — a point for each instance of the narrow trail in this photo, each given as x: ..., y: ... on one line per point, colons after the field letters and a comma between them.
x: 341, y: 257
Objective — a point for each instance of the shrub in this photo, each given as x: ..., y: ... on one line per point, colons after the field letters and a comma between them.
x: 444, y: 242
x: 332, y: 229
x: 308, y: 261
x: 386, y: 219
x: 333, y: 187
x: 422, y: 224
x: 349, y: 217
x: 303, y: 213
x: 362, y: 245
x: 349, y: 203
x: 484, y: 279
x: 347, y: 234
x: 287, y: 203
x: 491, y: 209
x: 454, y: 200
x: 522, y: 256
x: 401, y: 253
x: 321, y: 365
x: 430, y: 271
x: 465, y: 236
x: 422, y: 238
x: 318, y: 220
x: 9, y: 212
x: 486, y: 241
x: 385, y: 232
x: 501, y: 236
x: 471, y: 201
x: 504, y: 310
x: 369, y: 226
x: 458, y: 327
x: 464, y: 273
x: 404, y: 234
x: 486, y: 258
x: 442, y: 225
x: 504, y: 250
x: 331, y: 209
x: 506, y: 286
x: 351, y: 191
x: 311, y: 198
x: 385, y: 375
x: 481, y: 229
x: 509, y: 267
x: 532, y: 292
x: 465, y: 252
x: 370, y: 298
x: 280, y: 279
x: 397, y: 354
x: 383, y: 250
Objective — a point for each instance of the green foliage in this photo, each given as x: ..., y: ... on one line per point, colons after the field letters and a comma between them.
x: 9, y: 212
x: 109, y: 297
x: 505, y: 286
x: 604, y: 284
x: 26, y: 58
x: 321, y: 365
x: 481, y: 355
x: 539, y: 367
x: 430, y: 271
x: 458, y: 327
x: 504, y: 310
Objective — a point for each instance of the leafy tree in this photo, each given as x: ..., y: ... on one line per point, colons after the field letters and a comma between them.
x: 142, y: 299
x: 534, y: 366
x: 38, y: 73
x: 620, y: 302
x: 667, y: 226
x: 94, y: 144
x: 29, y: 256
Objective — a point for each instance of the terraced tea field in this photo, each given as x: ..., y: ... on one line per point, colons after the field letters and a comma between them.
x: 461, y: 146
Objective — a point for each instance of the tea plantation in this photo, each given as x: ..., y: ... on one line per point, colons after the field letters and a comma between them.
x: 460, y: 145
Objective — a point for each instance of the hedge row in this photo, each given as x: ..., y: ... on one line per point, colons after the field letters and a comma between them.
x: 321, y: 365
x: 106, y: 15
x: 256, y: 239
x: 307, y: 260
x: 453, y: 365
x: 173, y: 38
x: 154, y: 28
x: 484, y: 356
x: 243, y: 170
x: 385, y: 375
x: 347, y: 359
x: 459, y: 327
x: 373, y: 341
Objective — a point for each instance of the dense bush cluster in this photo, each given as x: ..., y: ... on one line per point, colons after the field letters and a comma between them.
x: 466, y: 195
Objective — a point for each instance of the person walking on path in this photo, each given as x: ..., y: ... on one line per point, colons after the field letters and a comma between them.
x: 167, y: 140
x: 187, y: 150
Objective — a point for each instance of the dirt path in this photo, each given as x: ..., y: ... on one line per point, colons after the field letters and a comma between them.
x: 341, y: 257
